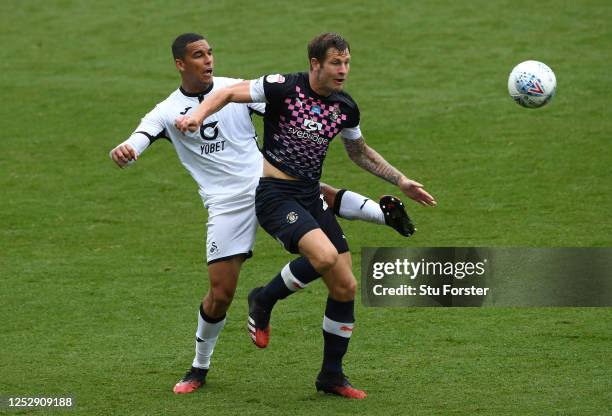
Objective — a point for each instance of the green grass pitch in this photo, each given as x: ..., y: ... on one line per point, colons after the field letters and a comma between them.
x: 101, y: 269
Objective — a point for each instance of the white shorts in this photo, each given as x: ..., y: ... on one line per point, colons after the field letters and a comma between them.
x: 230, y: 233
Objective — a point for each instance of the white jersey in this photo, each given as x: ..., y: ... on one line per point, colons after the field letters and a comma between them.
x: 222, y: 156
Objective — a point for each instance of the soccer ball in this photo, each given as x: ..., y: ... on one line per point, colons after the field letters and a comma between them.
x: 532, y: 84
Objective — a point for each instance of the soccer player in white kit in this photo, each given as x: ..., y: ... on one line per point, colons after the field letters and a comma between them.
x: 223, y: 158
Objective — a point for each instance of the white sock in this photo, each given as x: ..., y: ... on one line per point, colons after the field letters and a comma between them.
x: 353, y: 206
x: 208, y: 333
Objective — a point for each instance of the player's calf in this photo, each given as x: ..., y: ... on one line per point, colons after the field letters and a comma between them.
x: 295, y: 275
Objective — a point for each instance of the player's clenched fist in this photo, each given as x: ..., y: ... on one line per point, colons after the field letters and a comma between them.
x: 184, y: 123
x: 123, y: 154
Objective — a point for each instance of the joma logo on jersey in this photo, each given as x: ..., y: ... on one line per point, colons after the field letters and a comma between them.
x: 209, y: 131
x: 310, y: 125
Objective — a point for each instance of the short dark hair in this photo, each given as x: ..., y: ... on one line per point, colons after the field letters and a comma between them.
x: 317, y: 48
x: 180, y: 44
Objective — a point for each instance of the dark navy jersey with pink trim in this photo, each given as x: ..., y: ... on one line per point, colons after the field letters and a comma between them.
x: 299, y: 124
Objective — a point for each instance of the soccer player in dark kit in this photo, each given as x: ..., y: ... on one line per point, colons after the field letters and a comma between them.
x: 225, y: 162
x: 304, y: 112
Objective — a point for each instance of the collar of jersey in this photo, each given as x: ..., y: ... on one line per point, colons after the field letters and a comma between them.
x: 330, y: 97
x: 197, y: 94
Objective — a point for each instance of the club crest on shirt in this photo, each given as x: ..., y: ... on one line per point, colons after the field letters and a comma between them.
x: 275, y: 78
x: 334, y: 114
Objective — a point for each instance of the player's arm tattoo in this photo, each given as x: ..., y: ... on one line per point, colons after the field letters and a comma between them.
x: 369, y: 159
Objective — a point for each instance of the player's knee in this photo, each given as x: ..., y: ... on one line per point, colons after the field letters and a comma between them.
x: 344, y: 290
x: 324, y: 259
x: 222, y: 298
x: 351, y: 289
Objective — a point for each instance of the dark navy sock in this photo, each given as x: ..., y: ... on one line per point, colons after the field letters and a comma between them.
x: 272, y: 292
x: 337, y: 329
x: 294, y: 276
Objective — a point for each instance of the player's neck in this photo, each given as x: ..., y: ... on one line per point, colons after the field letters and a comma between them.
x: 194, y: 89
x: 314, y: 85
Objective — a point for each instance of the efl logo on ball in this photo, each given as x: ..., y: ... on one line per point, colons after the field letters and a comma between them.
x: 532, y: 84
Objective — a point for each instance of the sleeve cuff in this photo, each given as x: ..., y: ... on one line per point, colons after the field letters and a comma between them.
x: 351, y: 133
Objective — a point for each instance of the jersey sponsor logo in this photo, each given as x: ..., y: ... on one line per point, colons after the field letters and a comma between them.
x: 275, y: 78
x: 311, y: 125
x: 300, y: 133
x: 208, y: 148
x: 292, y: 217
x: 209, y: 131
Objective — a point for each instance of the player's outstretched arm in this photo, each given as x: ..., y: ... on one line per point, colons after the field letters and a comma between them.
x: 237, y: 93
x: 368, y: 159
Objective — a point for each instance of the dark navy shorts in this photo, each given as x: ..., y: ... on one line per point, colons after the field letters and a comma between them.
x: 289, y: 209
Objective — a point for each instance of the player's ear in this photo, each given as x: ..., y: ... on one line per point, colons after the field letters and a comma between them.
x: 315, y: 65
x: 180, y: 65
